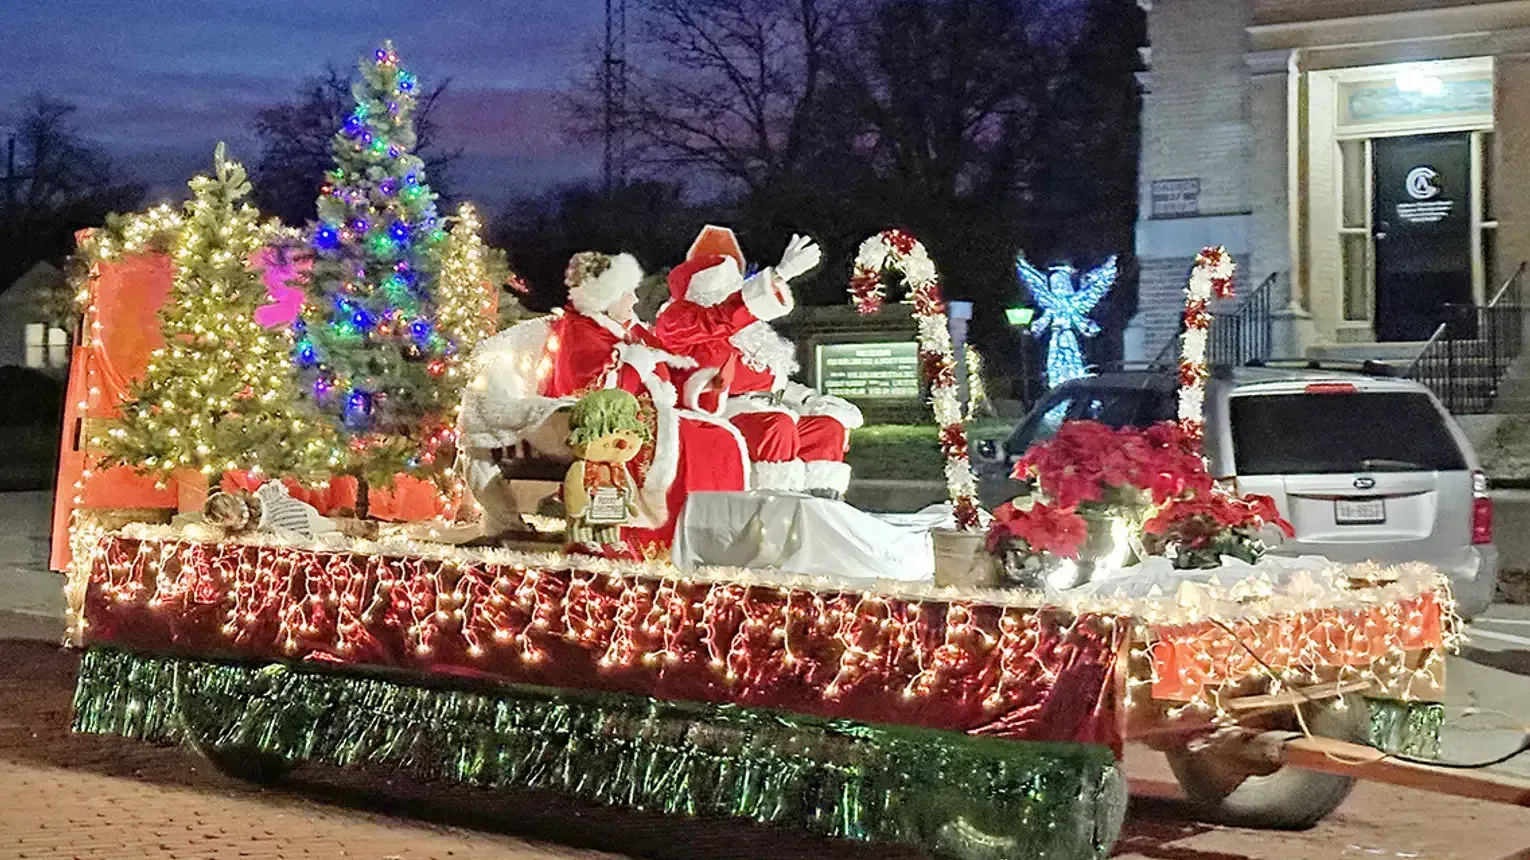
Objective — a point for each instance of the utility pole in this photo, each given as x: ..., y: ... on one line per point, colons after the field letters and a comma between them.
x: 614, y: 96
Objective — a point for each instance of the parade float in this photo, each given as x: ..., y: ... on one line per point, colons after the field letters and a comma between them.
x: 703, y: 627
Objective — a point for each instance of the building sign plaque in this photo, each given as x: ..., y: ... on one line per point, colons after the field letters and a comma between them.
x: 865, y: 371
x: 1176, y: 198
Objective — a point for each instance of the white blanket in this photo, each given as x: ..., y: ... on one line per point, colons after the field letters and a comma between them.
x: 805, y: 535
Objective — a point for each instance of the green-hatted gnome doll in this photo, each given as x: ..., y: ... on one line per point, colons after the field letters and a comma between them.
x: 606, y: 431
x: 221, y: 394
x: 370, y: 341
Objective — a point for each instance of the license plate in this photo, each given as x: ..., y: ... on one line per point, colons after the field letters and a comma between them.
x: 1359, y: 512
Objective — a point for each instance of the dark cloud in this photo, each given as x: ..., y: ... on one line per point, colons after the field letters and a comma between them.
x: 158, y: 82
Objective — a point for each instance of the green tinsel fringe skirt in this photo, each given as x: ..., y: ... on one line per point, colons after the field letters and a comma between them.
x: 959, y: 796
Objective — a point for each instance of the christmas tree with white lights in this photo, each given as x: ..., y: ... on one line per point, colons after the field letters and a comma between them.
x: 371, y: 343
x: 220, y: 395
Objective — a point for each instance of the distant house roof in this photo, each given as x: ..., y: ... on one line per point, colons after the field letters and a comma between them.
x: 32, y: 287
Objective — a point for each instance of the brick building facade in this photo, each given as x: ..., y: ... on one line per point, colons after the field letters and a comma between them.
x: 1367, y: 154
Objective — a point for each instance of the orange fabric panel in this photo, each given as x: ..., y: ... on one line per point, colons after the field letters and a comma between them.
x: 408, y: 500
x: 127, y: 295
x: 117, y: 340
x: 120, y: 334
x: 1189, y: 658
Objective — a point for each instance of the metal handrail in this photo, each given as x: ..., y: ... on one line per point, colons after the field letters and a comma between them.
x: 1512, y: 281
x: 1248, y: 333
x: 1471, y: 351
x: 1430, y: 347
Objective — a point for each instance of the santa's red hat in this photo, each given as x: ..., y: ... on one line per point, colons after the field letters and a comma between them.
x: 680, y: 277
x: 715, y: 241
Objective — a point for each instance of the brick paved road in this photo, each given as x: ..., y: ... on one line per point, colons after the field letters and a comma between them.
x: 64, y: 796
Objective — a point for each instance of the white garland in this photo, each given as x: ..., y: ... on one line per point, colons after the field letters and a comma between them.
x: 1212, y: 276
x: 896, y: 250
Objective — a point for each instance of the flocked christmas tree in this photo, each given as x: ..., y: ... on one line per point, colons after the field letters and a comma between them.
x: 220, y: 394
x: 370, y: 342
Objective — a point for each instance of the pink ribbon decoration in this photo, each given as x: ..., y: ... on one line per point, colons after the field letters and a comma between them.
x: 279, y: 268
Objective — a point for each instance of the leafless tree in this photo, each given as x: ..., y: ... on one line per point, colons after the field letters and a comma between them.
x: 61, y: 182
x: 722, y: 86
x: 953, y: 94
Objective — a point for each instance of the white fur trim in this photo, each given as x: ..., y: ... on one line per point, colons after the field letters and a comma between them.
x: 745, y: 404
x: 738, y: 438
x: 827, y: 475
x: 696, y: 384
x: 495, y: 423
x: 838, y: 408
x: 502, y: 402
x: 710, y: 286
x: 653, y: 496
x: 596, y: 295
x: 765, y: 350
x: 761, y: 299
x: 790, y: 475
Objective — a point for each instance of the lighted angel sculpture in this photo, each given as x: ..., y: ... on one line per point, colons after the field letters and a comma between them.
x: 1065, y: 312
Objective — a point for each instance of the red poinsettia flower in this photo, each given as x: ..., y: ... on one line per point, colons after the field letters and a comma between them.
x: 1000, y: 531
x: 1265, y: 509
x: 1053, y: 529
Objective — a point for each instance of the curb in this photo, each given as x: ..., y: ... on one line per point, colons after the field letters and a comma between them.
x: 31, y: 627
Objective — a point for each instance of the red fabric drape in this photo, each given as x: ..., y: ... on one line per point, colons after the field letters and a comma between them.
x: 1013, y: 672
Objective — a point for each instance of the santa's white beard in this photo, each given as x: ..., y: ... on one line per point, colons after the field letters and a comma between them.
x: 764, y: 350
x: 708, y: 289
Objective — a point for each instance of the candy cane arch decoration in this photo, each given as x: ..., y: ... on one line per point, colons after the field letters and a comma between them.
x: 897, y: 250
x: 1212, y: 276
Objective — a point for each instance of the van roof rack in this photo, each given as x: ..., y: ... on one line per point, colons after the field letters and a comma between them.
x: 1369, y: 366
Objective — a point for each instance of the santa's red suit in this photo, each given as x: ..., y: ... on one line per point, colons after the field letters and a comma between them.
x: 797, y: 437
x: 527, y: 373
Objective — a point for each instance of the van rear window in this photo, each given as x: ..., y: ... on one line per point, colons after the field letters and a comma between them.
x: 1306, y: 434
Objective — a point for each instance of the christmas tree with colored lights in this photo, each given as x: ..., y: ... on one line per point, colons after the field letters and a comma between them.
x: 370, y: 341
x: 221, y: 394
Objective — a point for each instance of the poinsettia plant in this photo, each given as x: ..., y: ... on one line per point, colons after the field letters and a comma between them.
x: 1089, y: 481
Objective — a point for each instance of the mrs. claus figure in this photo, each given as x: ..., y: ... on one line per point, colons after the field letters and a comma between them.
x: 797, y: 437
x: 527, y: 377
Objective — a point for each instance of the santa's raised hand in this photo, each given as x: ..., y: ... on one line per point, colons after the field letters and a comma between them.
x: 802, y: 254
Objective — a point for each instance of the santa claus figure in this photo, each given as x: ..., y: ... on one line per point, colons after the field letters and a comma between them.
x: 526, y: 378
x: 797, y: 438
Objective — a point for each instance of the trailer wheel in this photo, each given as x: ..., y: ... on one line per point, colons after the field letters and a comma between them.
x: 206, y: 734
x: 1230, y: 789
x: 244, y: 763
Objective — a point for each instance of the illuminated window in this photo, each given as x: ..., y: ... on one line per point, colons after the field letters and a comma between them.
x: 46, y: 346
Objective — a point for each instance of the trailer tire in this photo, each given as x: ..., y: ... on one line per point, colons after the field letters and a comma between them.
x: 1287, y: 798
x: 244, y: 763
x: 206, y: 735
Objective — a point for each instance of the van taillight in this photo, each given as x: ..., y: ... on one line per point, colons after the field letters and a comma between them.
x: 1331, y: 388
x: 1482, y: 510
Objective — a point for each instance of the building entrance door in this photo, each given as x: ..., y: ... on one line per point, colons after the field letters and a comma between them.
x: 1422, y: 227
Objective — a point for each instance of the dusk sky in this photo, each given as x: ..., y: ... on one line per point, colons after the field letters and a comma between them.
x: 159, y: 82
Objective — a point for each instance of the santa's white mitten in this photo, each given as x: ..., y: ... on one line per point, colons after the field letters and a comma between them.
x: 838, y: 408
x: 801, y: 255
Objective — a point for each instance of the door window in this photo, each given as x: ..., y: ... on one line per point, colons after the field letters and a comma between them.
x: 1422, y: 220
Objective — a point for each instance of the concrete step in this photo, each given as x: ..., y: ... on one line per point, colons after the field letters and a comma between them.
x: 1388, y: 352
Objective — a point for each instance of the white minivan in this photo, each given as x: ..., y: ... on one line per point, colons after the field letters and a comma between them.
x: 1364, y: 467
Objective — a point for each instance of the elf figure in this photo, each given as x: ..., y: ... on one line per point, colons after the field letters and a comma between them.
x: 606, y: 432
